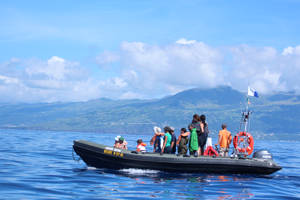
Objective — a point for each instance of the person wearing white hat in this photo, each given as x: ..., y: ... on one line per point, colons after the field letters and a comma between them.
x: 157, y: 140
x: 117, y: 138
x: 120, y: 142
x: 117, y: 141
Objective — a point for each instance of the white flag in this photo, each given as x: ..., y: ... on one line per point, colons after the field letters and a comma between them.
x: 252, y: 92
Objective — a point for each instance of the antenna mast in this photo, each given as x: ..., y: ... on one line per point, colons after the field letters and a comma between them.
x: 244, y: 126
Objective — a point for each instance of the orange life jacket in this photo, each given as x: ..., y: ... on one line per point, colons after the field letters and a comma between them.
x: 141, y: 147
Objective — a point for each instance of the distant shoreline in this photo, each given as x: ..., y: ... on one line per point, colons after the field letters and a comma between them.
x: 257, y: 136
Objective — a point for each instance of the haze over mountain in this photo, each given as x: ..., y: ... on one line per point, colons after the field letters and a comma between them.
x: 274, y: 115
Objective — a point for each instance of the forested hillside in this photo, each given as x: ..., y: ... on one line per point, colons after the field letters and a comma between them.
x: 277, y: 115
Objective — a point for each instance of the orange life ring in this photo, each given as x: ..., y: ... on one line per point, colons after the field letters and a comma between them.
x: 239, y: 138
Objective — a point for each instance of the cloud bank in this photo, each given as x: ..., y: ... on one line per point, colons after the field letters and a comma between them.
x: 153, y: 70
x: 45, y: 81
x: 143, y: 70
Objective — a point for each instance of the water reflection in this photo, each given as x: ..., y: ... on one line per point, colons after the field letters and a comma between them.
x: 159, y: 176
x: 192, y: 186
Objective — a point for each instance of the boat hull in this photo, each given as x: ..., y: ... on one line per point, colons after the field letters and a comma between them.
x: 101, y: 156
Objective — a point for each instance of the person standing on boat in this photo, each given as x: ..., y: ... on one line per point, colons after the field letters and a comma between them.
x: 183, y: 141
x: 202, y: 135
x: 194, y: 128
x: 167, y: 141
x: 173, y: 144
x: 224, y: 140
x: 157, y: 140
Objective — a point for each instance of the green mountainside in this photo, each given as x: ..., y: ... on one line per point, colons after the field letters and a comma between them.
x: 274, y: 115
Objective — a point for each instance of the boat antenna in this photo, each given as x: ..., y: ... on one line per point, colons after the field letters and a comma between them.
x: 245, y: 117
x: 245, y: 123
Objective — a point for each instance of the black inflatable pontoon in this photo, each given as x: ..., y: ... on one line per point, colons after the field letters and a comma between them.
x: 101, y: 156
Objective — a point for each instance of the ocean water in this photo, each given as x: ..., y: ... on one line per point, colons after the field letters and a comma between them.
x: 40, y: 165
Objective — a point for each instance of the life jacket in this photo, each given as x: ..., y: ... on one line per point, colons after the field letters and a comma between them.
x: 240, y: 138
x: 141, y: 147
x: 210, y: 151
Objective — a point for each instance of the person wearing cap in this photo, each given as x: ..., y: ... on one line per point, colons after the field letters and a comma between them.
x: 121, y: 143
x: 117, y: 141
x: 157, y: 140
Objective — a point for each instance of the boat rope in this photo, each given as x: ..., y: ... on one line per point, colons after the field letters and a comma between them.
x: 73, y: 156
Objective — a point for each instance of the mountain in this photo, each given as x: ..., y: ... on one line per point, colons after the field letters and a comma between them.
x: 218, y: 96
x: 277, y: 115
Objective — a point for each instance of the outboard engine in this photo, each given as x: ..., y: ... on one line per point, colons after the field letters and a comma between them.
x: 263, y: 154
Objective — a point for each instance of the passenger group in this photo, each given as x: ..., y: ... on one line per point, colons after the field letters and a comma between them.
x: 193, y: 140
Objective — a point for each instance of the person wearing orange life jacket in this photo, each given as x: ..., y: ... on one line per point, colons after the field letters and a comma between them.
x: 224, y: 140
x: 141, y: 147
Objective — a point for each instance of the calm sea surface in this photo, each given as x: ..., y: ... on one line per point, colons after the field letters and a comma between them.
x: 39, y: 165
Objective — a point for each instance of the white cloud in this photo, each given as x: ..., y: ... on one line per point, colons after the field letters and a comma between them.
x: 130, y: 95
x: 55, y: 68
x: 165, y: 68
x: 291, y: 51
x: 117, y: 83
x: 55, y: 79
x: 107, y: 57
x: 266, y: 68
x: 185, y: 41
x: 9, y: 80
x: 151, y: 71
x: 287, y: 51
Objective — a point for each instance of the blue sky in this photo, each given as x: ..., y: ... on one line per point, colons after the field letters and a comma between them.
x: 123, y: 49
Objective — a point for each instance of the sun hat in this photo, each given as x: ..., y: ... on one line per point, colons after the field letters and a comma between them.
x: 117, y: 138
x: 156, y: 129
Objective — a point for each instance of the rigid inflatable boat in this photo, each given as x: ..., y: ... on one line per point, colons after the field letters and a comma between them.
x: 101, y: 156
